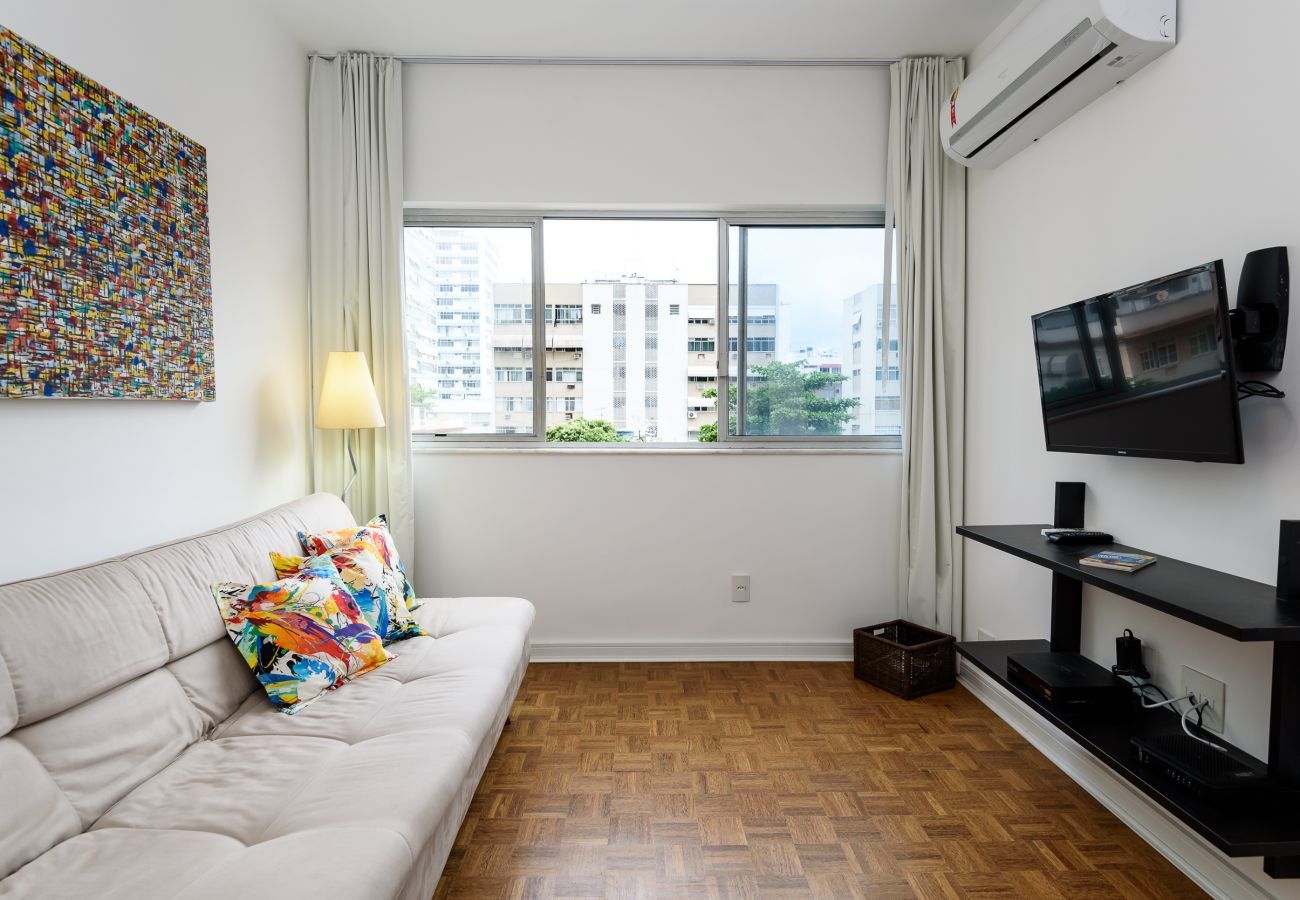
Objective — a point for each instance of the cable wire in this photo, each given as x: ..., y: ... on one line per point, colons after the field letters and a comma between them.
x: 1183, y: 718
x: 1252, y: 388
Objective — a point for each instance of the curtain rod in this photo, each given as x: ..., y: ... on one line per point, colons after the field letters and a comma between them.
x: 632, y: 61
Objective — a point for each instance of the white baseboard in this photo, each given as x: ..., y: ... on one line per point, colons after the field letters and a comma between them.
x: 1202, y: 863
x: 693, y: 651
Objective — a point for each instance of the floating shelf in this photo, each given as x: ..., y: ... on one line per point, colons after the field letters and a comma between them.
x: 1238, y: 608
x: 1267, y: 826
x: 1235, y: 607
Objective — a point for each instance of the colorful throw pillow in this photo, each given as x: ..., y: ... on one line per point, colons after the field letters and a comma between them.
x: 376, y: 532
x: 300, y: 636
x: 372, y: 584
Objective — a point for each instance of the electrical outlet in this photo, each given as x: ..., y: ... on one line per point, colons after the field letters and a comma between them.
x: 984, y: 635
x: 1205, y: 688
x: 739, y: 588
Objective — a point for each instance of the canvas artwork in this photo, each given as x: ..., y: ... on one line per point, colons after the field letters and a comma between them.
x: 105, y: 282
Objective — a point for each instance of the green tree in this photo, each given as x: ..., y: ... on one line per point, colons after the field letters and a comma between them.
x: 421, y: 396
x: 781, y: 398
x: 592, y: 431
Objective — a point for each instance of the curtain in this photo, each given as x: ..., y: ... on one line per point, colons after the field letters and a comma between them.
x: 926, y: 200
x: 354, y: 177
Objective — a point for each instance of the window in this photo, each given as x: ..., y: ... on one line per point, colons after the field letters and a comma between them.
x: 798, y: 298
x: 754, y: 344
x: 513, y: 312
x: 1204, y: 341
x: 631, y: 325
x: 1159, y: 355
x: 564, y: 375
x: 459, y: 385
x: 564, y: 314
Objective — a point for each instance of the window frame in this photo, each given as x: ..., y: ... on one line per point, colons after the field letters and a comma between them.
x: 435, y: 217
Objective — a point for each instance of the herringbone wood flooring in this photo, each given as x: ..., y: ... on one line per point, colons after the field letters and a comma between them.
x: 778, y: 780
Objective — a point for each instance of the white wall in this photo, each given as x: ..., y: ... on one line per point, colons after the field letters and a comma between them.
x: 619, y: 547
x: 639, y: 136
x: 84, y: 479
x: 1191, y: 160
x: 639, y: 548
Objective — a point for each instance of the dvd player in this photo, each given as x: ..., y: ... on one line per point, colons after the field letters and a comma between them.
x: 1065, y: 678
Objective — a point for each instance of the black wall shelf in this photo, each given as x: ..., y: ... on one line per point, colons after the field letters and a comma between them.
x: 1237, y: 608
x: 1234, y: 607
x: 1269, y: 827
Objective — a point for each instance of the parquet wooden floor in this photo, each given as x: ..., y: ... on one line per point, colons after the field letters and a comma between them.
x: 742, y: 780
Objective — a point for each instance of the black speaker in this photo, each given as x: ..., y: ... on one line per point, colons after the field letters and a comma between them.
x: 1288, y: 562
x: 1069, y: 505
x: 1259, y: 322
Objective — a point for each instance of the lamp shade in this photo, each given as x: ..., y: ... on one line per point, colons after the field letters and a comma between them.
x: 347, y: 398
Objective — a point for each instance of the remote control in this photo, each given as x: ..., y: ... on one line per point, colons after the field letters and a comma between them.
x: 1080, y: 537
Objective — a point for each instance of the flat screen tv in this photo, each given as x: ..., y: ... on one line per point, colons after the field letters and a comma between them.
x: 1143, y: 371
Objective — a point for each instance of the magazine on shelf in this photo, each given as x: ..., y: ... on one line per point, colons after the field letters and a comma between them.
x: 1120, y: 562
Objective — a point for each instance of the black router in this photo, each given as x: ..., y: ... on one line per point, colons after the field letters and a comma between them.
x: 1219, y: 773
x: 1065, y: 678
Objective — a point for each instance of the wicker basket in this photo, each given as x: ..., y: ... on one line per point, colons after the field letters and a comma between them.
x: 905, y: 659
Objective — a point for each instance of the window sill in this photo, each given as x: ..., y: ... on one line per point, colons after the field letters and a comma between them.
x: 596, y: 449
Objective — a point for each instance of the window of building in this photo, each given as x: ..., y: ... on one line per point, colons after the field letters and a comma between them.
x: 802, y: 296
x: 1159, y: 355
x: 1204, y: 341
x: 564, y: 313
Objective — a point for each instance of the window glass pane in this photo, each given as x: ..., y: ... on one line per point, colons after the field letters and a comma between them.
x: 623, y: 363
x: 813, y: 323
x: 469, y: 329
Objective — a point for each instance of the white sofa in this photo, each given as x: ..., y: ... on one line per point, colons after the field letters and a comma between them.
x: 138, y: 757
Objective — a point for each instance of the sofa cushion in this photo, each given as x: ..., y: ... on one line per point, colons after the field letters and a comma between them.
x: 301, y: 636
x: 101, y: 611
x: 40, y: 811
x: 99, y: 751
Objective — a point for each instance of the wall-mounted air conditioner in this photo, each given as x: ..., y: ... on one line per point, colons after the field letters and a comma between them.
x: 1061, y: 57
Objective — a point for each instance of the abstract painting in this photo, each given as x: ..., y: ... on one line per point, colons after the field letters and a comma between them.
x: 105, y: 280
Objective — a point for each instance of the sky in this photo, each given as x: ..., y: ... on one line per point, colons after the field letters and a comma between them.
x: 815, y: 268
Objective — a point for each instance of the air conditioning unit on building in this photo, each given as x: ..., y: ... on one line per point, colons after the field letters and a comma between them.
x: 691, y: 414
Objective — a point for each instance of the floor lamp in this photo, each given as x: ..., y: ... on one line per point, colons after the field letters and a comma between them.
x: 348, y: 401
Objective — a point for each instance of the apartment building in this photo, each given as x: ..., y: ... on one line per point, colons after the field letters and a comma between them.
x: 876, y: 385
x: 450, y: 277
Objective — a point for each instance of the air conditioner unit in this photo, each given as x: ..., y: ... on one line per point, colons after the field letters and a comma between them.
x: 691, y: 414
x: 1061, y: 57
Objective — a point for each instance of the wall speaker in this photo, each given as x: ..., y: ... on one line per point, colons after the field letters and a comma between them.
x: 1069, y: 505
x: 1288, y: 562
x: 1260, y: 319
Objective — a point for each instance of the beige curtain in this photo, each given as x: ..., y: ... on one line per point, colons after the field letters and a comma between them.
x: 926, y: 199
x: 355, y: 187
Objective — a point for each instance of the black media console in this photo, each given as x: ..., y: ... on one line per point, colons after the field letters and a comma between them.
x: 1235, y: 607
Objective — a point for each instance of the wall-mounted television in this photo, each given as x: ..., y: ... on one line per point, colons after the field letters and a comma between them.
x: 1143, y: 371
